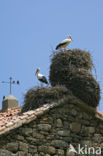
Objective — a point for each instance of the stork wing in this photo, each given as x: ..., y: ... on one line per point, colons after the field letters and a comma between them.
x: 63, y: 44
x: 60, y: 45
x: 43, y: 79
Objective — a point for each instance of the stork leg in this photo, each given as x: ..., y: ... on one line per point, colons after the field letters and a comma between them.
x: 64, y: 49
x: 41, y: 84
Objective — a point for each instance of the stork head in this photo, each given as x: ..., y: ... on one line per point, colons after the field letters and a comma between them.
x: 69, y: 37
x: 37, y: 71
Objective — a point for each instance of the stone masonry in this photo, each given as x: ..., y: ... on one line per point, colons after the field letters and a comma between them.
x: 52, y: 132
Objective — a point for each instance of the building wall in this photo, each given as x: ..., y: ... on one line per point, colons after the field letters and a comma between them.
x: 53, y: 132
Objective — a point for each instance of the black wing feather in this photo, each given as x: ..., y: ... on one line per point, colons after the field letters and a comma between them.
x: 44, y: 80
x: 59, y: 45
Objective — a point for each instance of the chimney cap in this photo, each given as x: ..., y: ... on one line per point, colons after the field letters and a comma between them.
x: 10, y: 97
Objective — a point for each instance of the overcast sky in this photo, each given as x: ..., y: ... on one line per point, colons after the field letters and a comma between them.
x: 31, y: 29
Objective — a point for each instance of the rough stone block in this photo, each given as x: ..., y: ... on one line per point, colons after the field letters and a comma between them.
x: 69, y: 153
x: 75, y: 127
x: 59, y: 123
x: 36, y: 154
x: 74, y: 112
x: 20, y: 153
x: 60, y: 152
x: 13, y: 146
x: 26, y: 131
x: 86, y: 142
x: 64, y: 133
x: 47, y: 149
x: 32, y: 149
x: 44, y: 127
x: 91, y: 130
x: 59, y: 143
x: 98, y: 138
x: 5, y: 153
x: 32, y: 140
x: 20, y: 138
x: 38, y: 135
x: 23, y: 146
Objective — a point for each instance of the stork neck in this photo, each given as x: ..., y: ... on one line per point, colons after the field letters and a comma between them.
x: 38, y: 74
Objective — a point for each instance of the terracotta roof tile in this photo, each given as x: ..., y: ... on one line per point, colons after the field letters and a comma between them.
x: 11, y: 119
x: 2, y: 128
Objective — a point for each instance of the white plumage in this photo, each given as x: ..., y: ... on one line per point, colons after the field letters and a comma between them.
x: 41, y: 77
x: 64, y: 43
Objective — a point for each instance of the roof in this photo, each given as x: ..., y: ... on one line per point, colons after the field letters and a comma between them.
x: 12, y: 118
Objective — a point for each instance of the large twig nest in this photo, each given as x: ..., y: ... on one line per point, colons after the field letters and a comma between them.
x: 36, y: 97
x: 76, y: 57
x: 79, y: 81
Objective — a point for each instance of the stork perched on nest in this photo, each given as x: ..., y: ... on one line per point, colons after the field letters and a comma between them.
x: 64, y: 43
x: 41, y: 77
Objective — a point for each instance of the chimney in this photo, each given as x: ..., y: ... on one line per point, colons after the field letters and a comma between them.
x: 9, y: 102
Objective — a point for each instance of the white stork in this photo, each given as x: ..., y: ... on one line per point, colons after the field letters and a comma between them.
x: 41, y: 77
x: 64, y: 43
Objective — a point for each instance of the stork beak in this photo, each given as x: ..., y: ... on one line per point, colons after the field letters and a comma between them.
x: 71, y: 39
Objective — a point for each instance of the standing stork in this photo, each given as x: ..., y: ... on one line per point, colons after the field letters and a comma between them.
x: 41, y: 77
x: 64, y: 43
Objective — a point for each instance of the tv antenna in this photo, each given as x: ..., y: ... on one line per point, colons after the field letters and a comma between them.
x: 11, y: 82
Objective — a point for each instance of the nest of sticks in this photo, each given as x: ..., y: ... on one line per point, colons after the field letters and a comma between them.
x: 37, y: 96
x: 70, y: 68
x: 69, y: 75
x: 76, y: 58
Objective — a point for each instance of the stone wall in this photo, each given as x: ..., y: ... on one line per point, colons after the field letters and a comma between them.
x: 53, y: 132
